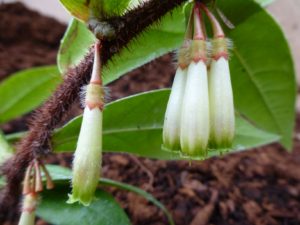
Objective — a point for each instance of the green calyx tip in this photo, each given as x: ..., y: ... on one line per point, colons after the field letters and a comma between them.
x: 86, y: 201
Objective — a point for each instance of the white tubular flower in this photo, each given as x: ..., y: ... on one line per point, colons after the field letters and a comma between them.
x: 220, y: 91
x: 195, y: 112
x: 222, y: 118
x: 88, y: 154
x: 28, y: 209
x: 194, y: 132
x: 171, y: 129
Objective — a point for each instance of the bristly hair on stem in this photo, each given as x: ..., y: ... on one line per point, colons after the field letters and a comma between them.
x: 37, y: 142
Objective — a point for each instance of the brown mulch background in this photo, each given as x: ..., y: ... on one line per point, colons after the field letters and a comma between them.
x: 257, y: 187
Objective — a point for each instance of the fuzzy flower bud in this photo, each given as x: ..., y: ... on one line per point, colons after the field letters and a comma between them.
x: 88, y: 154
x: 28, y: 210
x: 222, y: 120
x: 171, y: 129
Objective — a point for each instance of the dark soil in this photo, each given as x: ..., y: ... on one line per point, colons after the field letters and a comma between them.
x: 257, y: 187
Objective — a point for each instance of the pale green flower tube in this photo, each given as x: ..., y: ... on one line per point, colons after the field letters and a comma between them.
x: 222, y: 120
x: 195, y: 111
x: 28, y: 209
x: 88, y: 154
x: 87, y: 160
x: 171, y: 129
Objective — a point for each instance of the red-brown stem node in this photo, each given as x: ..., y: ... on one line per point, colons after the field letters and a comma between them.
x: 220, y: 55
x: 92, y: 105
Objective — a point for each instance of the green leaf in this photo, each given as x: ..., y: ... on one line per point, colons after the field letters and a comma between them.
x: 6, y: 150
x: 109, y: 7
x: 84, y: 9
x: 62, y: 175
x: 77, y: 8
x: 262, y: 69
x: 264, y: 2
x: 25, y: 90
x: 74, y: 45
x: 104, y: 210
x: 134, y: 125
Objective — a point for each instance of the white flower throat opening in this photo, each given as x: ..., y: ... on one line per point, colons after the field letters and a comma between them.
x: 200, y: 110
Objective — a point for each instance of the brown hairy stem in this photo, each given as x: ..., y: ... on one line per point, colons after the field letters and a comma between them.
x: 46, y: 118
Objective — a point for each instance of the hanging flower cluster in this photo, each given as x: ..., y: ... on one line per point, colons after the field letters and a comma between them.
x: 200, y: 111
x: 32, y: 186
x: 88, y: 154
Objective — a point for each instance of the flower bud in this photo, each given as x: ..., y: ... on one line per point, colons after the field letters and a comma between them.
x: 171, y: 129
x: 88, y: 154
x: 87, y: 160
x: 28, y: 209
x: 222, y: 120
x: 195, y: 111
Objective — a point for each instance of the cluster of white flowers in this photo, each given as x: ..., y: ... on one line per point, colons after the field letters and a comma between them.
x: 200, y: 111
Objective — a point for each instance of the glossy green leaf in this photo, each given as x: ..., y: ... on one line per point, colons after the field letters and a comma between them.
x: 109, y: 7
x: 6, y: 150
x: 25, y: 90
x: 104, y: 210
x: 77, y: 8
x: 134, y: 125
x: 84, y: 9
x: 262, y: 69
x: 74, y: 45
x: 264, y: 2
x: 63, y: 175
